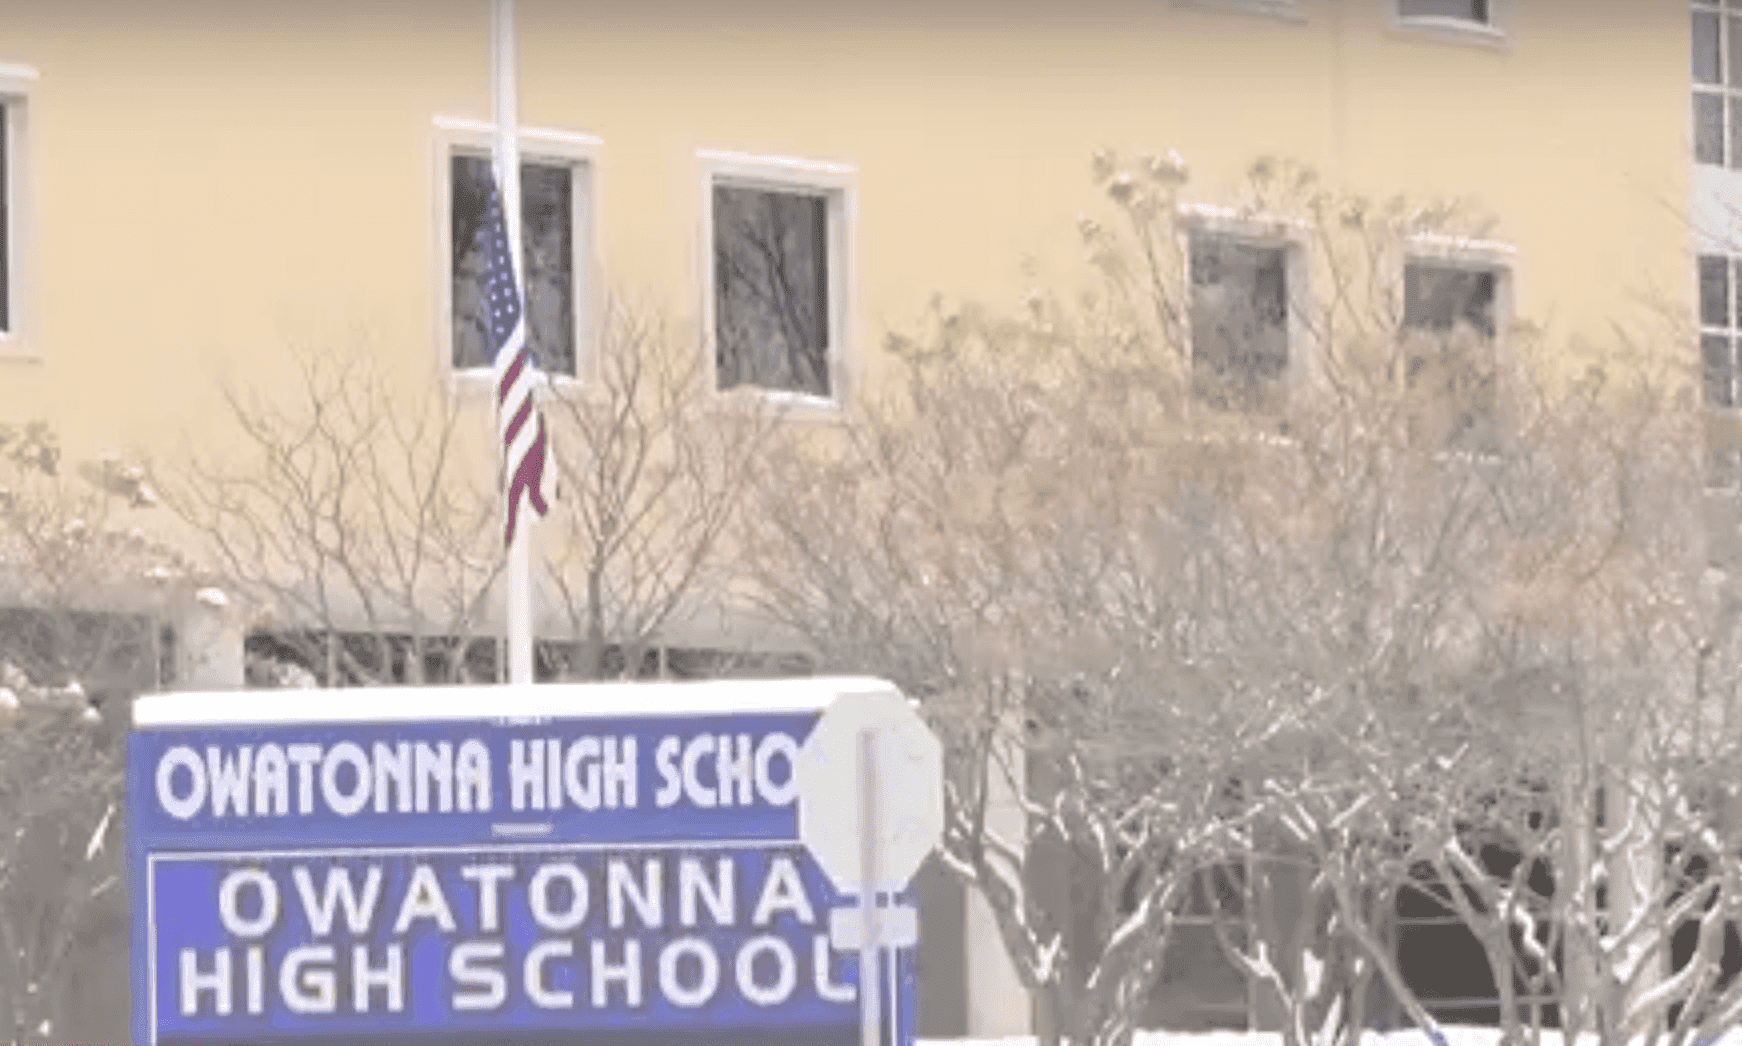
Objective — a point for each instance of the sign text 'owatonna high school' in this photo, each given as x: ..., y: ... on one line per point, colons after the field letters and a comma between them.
x: 701, y: 770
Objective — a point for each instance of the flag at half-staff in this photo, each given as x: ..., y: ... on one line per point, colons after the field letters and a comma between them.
x: 525, y: 445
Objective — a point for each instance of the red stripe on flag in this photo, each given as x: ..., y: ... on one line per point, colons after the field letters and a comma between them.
x: 511, y: 375
x: 514, y: 423
x: 528, y: 477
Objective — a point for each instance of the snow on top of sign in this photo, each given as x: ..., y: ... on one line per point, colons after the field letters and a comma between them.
x: 545, y: 700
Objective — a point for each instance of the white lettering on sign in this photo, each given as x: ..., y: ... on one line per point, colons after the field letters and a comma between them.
x: 621, y: 890
x: 343, y: 800
x: 359, y: 913
x: 424, y: 900
x: 466, y: 971
x: 271, y: 781
x: 627, y: 973
x: 603, y: 955
x: 228, y: 775
x: 722, y: 770
x: 717, y: 894
x: 389, y: 977
x: 308, y: 988
x: 488, y: 877
x: 758, y: 987
x: 589, y: 773
x: 534, y: 976
x: 574, y: 912
x: 229, y: 902
x: 181, y: 803
x: 704, y: 981
x: 783, y: 891
x: 401, y: 778
x: 537, y: 774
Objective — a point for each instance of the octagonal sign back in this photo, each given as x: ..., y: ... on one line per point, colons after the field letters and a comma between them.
x: 909, y: 792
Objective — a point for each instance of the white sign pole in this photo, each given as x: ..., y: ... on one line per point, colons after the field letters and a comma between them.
x: 504, y: 82
x: 869, y: 994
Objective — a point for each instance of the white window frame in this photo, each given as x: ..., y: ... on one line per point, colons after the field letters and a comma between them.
x: 1474, y: 255
x: 1716, y: 473
x: 19, y: 340
x: 836, y: 183
x: 1733, y: 260
x: 1728, y: 96
x: 1491, y: 33
x: 578, y: 151
x: 1289, y: 236
x: 1277, y: 10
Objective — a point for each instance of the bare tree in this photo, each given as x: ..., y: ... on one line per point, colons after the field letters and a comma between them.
x: 1306, y: 607
x: 83, y: 596
x: 653, y: 468
x: 59, y: 793
x: 357, y: 520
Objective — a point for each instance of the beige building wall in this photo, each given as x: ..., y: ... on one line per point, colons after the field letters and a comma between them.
x: 213, y: 183
x: 203, y: 187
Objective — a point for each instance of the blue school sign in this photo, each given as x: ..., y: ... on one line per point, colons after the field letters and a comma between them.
x: 613, y: 864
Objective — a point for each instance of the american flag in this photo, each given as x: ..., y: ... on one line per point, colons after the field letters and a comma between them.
x: 517, y: 417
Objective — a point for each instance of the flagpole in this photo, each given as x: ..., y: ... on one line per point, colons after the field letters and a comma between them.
x: 504, y: 84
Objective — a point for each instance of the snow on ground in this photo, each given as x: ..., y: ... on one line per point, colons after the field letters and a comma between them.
x: 1455, y: 1036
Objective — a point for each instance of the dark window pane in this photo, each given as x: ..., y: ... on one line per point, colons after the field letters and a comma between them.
x: 1733, y: 51
x: 1442, y: 298
x: 548, y: 249
x: 1239, y: 322
x: 546, y: 260
x: 1708, y: 128
x: 1714, y: 291
x: 5, y: 224
x: 1720, y: 371
x: 1450, y: 314
x: 771, y: 300
x: 1463, y: 10
x: 1198, y: 990
x: 1706, y: 48
x: 1735, y: 129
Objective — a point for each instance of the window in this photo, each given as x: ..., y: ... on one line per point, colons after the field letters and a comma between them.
x: 15, y: 86
x: 1286, y: 10
x: 1717, y: 75
x: 1239, y: 319
x: 1720, y: 353
x: 1719, y: 329
x: 1473, y: 11
x: 548, y: 197
x: 1450, y: 324
x: 5, y: 223
x: 771, y: 289
x: 1199, y: 989
x: 778, y: 258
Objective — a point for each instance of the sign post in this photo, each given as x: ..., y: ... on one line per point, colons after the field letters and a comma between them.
x: 617, y: 863
x: 871, y: 830
x: 869, y: 1025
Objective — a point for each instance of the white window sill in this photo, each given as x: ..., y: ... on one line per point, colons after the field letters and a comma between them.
x: 1462, y: 252
x: 793, y: 406
x: 17, y: 79
x: 1451, y: 31
x: 16, y: 348
x: 1292, y: 11
x: 481, y: 381
x: 1265, y: 230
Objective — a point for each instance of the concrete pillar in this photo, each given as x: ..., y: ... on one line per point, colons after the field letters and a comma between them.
x: 209, y: 637
x: 998, y: 1004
